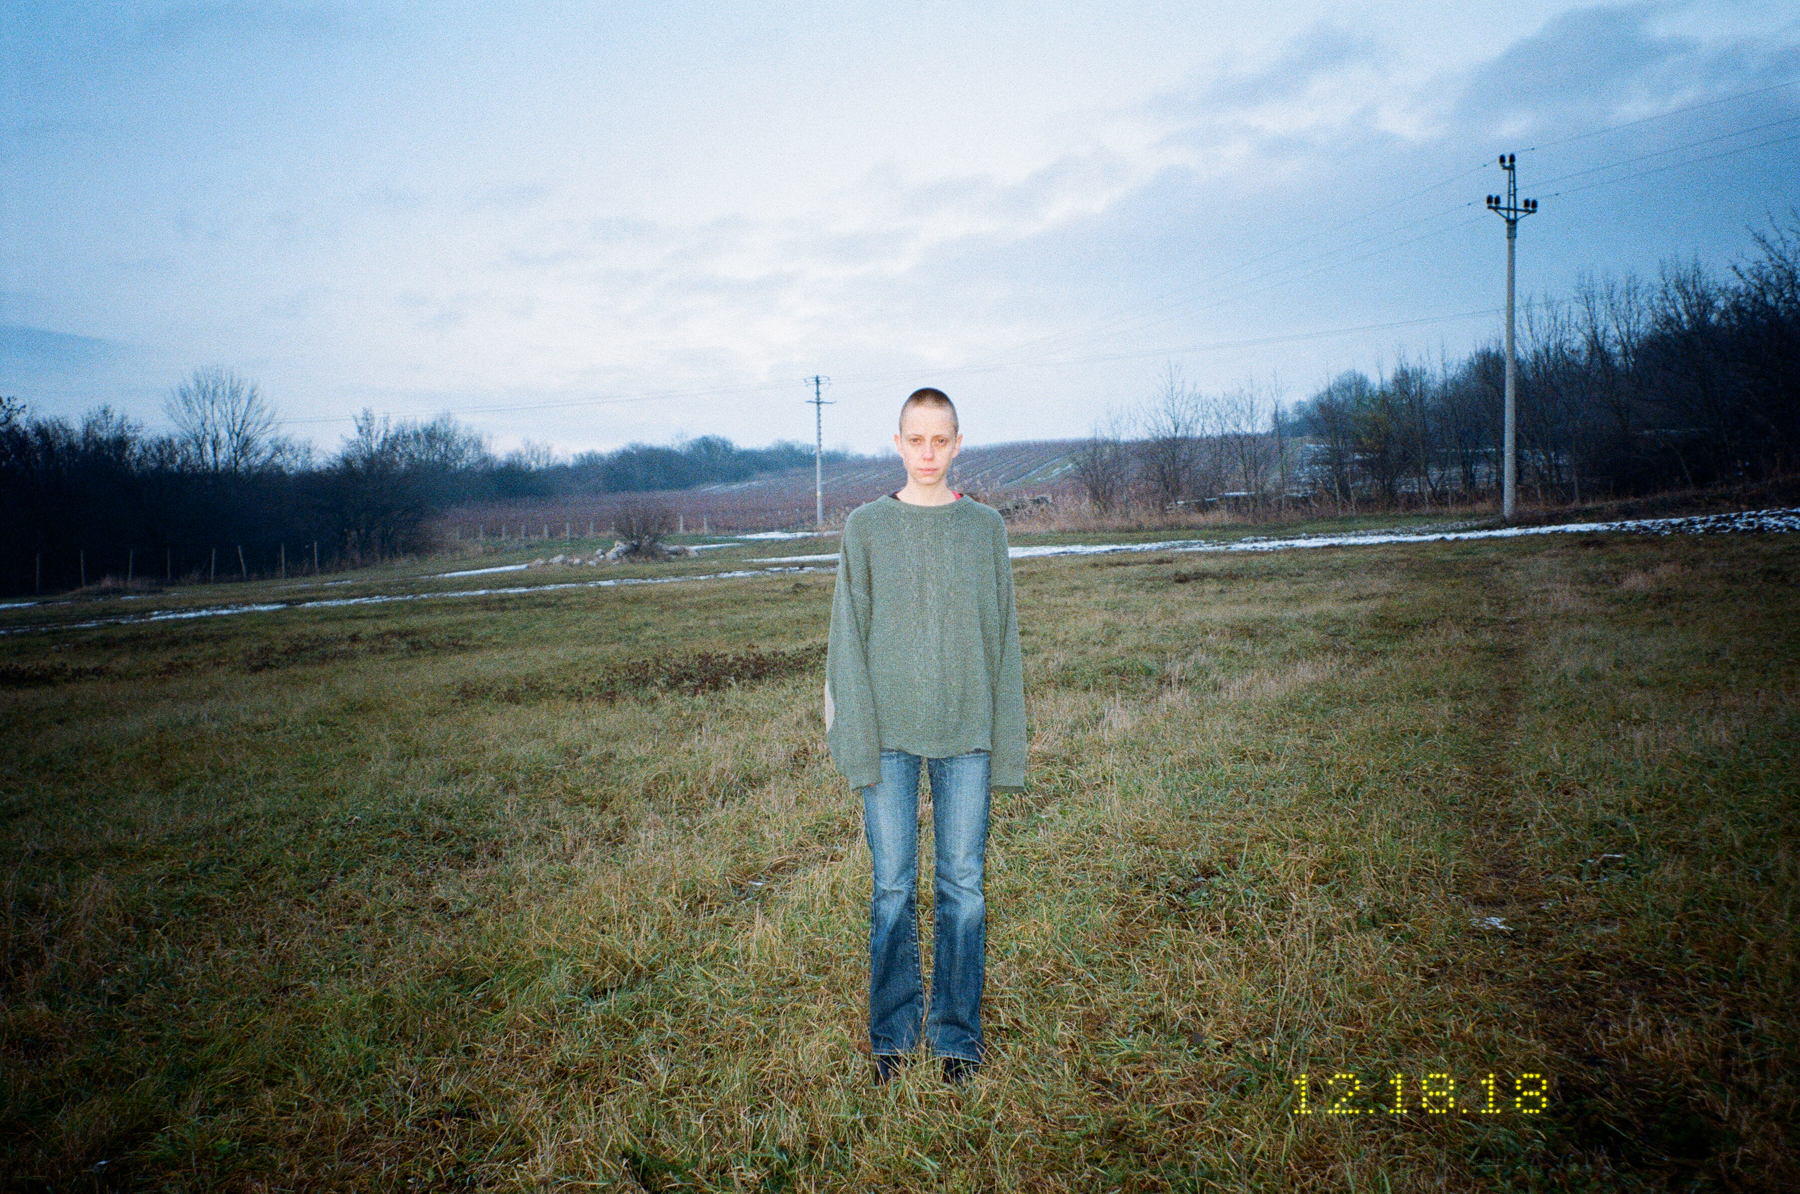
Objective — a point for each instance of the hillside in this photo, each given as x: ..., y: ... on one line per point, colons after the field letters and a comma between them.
x: 777, y: 500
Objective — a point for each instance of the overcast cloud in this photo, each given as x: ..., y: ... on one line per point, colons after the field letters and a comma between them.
x: 590, y: 227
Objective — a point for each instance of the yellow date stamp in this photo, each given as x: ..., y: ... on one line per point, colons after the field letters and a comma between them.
x: 1436, y: 1093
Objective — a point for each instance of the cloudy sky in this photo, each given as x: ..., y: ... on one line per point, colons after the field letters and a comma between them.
x: 590, y: 224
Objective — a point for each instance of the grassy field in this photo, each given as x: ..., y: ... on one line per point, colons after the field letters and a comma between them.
x: 560, y: 891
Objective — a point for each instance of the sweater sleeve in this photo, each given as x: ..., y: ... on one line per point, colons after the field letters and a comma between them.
x: 1007, y: 766
x: 853, y: 734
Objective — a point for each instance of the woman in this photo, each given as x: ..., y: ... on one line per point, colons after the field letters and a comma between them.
x: 924, y: 669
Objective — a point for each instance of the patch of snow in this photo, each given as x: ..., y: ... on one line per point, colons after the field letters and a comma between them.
x: 1752, y: 521
x: 481, y: 571
x: 1489, y: 922
x: 771, y: 536
x: 17, y: 604
x: 1764, y: 521
x: 181, y: 615
x: 221, y: 611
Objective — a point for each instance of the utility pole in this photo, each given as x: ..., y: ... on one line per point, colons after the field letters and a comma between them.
x: 818, y: 404
x: 1509, y: 208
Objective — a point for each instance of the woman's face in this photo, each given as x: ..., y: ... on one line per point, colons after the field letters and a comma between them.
x: 928, y: 441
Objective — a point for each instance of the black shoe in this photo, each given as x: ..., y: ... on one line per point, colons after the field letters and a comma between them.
x: 958, y: 1070
x: 889, y: 1065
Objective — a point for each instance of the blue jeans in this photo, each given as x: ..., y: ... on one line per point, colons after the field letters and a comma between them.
x: 959, y: 805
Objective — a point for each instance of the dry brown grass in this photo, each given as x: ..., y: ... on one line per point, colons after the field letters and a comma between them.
x: 562, y: 892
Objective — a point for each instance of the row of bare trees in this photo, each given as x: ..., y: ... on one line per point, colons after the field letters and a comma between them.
x: 106, y: 498
x: 1185, y: 447
x: 1628, y: 387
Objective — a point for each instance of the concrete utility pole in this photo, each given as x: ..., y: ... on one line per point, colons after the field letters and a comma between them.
x: 819, y: 404
x: 1509, y: 208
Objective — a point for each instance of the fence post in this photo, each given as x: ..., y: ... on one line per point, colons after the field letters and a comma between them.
x: 37, y: 583
x: 168, y: 565
x: 84, y: 567
x: 243, y: 568
x: 212, y: 568
x: 315, y: 557
x: 284, y: 561
x: 130, y: 566
x: 566, y: 535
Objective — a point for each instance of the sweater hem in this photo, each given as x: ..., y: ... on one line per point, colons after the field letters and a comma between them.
x: 940, y: 750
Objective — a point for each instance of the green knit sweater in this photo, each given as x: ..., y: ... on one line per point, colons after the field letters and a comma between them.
x: 924, y: 652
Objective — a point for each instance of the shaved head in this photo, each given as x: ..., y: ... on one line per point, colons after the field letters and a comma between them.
x: 930, y: 397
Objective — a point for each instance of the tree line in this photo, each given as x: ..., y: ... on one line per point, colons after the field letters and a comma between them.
x: 225, y: 495
x: 1626, y: 388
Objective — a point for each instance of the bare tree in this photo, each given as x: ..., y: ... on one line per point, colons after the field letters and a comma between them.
x: 1332, y: 415
x: 1610, y: 320
x: 532, y: 455
x: 1383, y: 447
x: 1413, y: 392
x: 1171, y: 448
x: 1559, y: 418
x: 641, y: 523
x: 1766, y: 329
x: 1250, y: 452
x: 1103, y: 464
x: 1212, y: 473
x: 373, y: 497
x: 224, y: 424
x: 442, y: 444
x: 1278, y: 436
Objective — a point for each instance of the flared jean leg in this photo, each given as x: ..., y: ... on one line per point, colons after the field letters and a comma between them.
x: 891, y: 828
x: 960, y: 804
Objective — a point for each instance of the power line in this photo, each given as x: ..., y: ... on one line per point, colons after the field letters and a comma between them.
x: 1711, y: 157
x: 1674, y: 149
x: 1149, y: 312
x: 1245, y: 291
x: 868, y: 382
x: 1290, y: 338
x: 1711, y: 103
x: 563, y: 403
x: 1122, y: 322
x: 1277, y: 273
x: 1139, y: 315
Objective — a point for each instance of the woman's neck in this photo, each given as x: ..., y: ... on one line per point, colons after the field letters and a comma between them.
x: 926, y: 495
